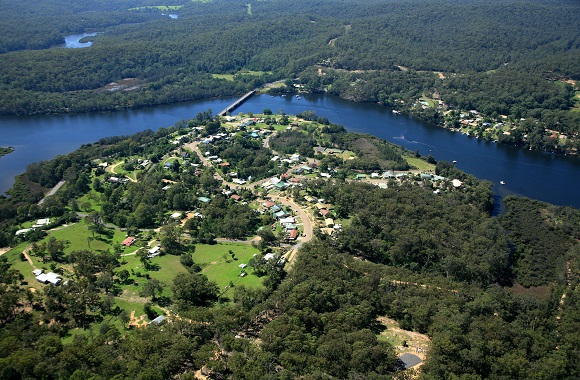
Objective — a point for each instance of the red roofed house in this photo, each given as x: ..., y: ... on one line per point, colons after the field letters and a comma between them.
x: 129, y: 241
x: 236, y: 197
x: 268, y: 204
x: 293, y: 235
x: 324, y: 212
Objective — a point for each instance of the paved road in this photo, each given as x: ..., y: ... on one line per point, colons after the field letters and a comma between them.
x: 52, y: 192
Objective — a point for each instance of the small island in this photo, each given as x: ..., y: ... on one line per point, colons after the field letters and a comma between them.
x: 4, y: 150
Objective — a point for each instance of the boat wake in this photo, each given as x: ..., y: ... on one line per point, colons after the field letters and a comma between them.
x: 402, y: 138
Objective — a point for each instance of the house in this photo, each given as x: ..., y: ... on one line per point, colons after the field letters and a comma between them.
x: 281, y: 185
x: 113, y: 179
x: 176, y: 215
x: 268, y: 204
x: 358, y: 176
x: 293, y: 235
x: 236, y: 197
x: 457, y: 183
x: 23, y: 231
x: 37, y: 272
x: 155, y: 251
x: 275, y: 208
x: 204, y: 199
x: 287, y: 220
x: 294, y: 181
x: 269, y: 256
x: 280, y: 214
x: 319, y: 149
x: 325, y: 212
x: 128, y: 241
x: 290, y: 226
x: 329, y: 222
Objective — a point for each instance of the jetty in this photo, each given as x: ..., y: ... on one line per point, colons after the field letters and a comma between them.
x: 237, y: 103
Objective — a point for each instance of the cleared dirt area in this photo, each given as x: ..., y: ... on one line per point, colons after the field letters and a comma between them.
x: 416, y: 343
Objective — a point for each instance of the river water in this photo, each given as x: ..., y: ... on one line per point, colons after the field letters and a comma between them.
x: 73, y: 41
x: 547, y: 177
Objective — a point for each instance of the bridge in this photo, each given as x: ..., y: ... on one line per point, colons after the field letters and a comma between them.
x: 237, y: 103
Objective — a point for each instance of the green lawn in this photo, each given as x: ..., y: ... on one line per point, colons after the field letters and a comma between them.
x: 79, y: 238
x: 89, y: 201
x: 216, y: 268
x: 419, y: 163
x: 229, y: 77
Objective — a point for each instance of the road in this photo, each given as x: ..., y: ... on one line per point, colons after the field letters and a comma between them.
x: 52, y: 191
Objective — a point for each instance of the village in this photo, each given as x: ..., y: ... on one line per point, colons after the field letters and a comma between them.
x: 296, y: 215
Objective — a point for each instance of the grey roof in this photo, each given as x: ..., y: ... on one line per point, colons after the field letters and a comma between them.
x: 410, y: 360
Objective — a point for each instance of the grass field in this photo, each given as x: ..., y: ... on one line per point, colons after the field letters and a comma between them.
x: 419, y: 163
x: 229, y: 77
x: 222, y: 271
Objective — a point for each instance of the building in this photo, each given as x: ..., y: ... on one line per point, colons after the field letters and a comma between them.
x: 48, y: 278
x: 293, y: 235
x: 155, y: 251
x: 129, y: 241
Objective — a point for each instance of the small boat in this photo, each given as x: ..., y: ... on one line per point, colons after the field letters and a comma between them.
x: 454, y: 161
x: 396, y: 112
x: 501, y: 182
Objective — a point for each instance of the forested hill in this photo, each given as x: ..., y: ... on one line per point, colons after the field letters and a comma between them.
x: 508, y: 60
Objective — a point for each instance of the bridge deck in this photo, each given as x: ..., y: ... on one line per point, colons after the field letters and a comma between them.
x: 237, y: 103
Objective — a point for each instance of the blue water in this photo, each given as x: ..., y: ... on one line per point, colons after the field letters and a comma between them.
x: 547, y: 177
x: 73, y: 41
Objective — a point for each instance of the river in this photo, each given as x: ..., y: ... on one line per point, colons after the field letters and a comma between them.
x: 550, y: 178
x: 74, y: 41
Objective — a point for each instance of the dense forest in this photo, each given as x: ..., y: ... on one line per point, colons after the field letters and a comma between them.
x: 514, y: 59
x: 498, y: 296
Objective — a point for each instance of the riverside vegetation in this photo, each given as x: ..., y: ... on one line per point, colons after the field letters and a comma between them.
x: 514, y: 64
x: 498, y: 296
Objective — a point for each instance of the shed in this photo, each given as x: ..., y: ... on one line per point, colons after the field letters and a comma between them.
x: 49, y: 277
x: 154, y: 251
x: 409, y: 360
x: 157, y: 320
